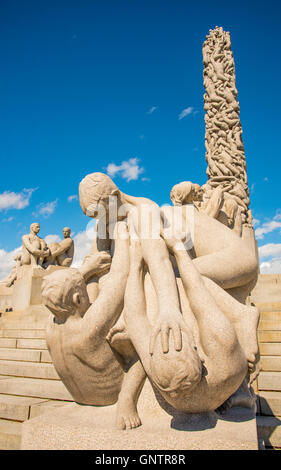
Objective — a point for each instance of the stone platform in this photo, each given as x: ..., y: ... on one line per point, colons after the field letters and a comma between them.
x: 78, y: 427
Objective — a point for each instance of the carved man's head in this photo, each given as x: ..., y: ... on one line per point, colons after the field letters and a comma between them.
x: 182, y: 378
x: 66, y: 232
x: 35, y: 227
x: 94, y: 190
x: 64, y: 293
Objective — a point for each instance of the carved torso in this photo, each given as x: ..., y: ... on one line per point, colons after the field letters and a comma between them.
x: 87, y: 365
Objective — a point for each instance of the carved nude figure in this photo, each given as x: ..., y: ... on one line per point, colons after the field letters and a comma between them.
x: 220, y: 253
x: 9, y: 281
x: 94, y: 191
x: 189, y: 378
x: 76, y: 337
x: 61, y: 253
x: 34, y: 248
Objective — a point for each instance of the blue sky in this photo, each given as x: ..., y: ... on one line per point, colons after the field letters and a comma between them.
x: 92, y: 82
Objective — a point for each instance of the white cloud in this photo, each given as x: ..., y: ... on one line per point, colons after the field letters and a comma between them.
x: 185, y: 112
x: 270, y: 249
x: 10, y: 200
x: 82, y: 245
x: 256, y: 222
x: 52, y: 239
x: 267, y: 227
x: 46, y: 209
x: 7, y: 261
x: 73, y: 197
x: 129, y: 170
x: 9, y: 219
x: 271, y: 267
x: 152, y: 109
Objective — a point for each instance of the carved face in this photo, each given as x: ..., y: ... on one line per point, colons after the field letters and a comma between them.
x: 35, y: 228
x: 66, y: 232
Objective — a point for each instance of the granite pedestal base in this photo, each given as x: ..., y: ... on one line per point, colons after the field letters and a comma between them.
x: 78, y: 427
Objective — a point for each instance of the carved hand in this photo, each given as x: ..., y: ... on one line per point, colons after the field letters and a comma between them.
x: 96, y: 264
x: 168, y: 321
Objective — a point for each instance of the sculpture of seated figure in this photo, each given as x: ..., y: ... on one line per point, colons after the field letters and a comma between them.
x: 13, y: 274
x: 61, y: 253
x: 34, y: 248
x: 9, y: 281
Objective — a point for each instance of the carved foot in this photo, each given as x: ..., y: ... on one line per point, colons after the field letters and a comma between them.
x: 127, y: 417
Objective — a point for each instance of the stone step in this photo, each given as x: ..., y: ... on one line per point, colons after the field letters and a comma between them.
x: 45, y: 356
x: 271, y: 363
x: 269, y: 336
x: 10, y: 435
x: 8, y: 343
x: 31, y: 344
x: 43, y: 407
x: 270, y: 403
x: 270, y: 325
x: 266, y: 381
x: 30, y: 355
x: 39, y: 388
x: 269, y: 430
x: 32, y: 333
x: 268, y: 306
x: 17, y: 408
x: 270, y: 349
x: 275, y: 316
x: 28, y: 369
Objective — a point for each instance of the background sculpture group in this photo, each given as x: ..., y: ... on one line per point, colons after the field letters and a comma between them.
x: 36, y: 252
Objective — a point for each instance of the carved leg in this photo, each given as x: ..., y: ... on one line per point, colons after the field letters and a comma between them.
x: 127, y: 414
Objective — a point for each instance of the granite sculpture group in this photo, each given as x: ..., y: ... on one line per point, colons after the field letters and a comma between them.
x: 35, y: 252
x: 162, y: 295
x: 199, y: 342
